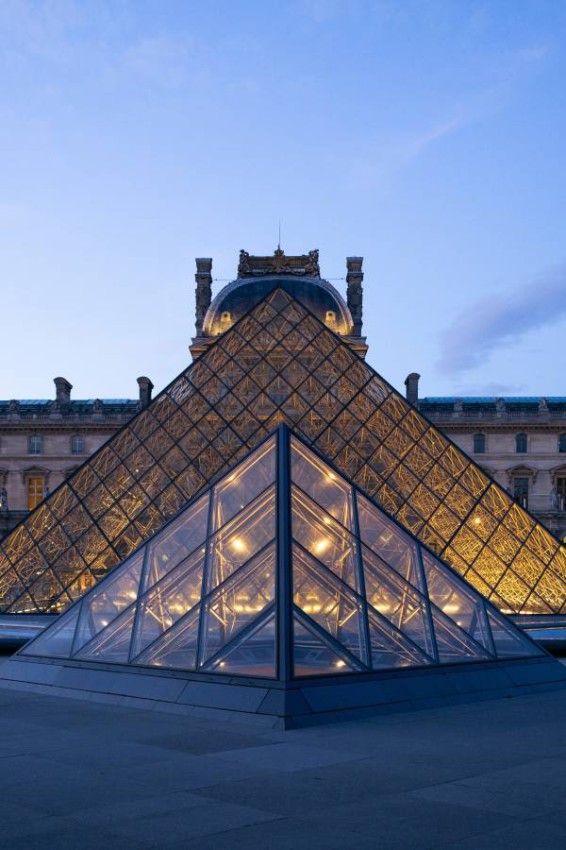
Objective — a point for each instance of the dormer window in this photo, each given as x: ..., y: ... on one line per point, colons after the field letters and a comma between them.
x: 330, y: 317
x: 226, y: 317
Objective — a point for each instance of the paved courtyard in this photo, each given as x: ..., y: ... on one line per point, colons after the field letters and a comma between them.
x: 79, y: 774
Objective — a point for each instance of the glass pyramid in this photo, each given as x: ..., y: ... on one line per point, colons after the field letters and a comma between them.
x: 279, y: 364
x: 282, y: 569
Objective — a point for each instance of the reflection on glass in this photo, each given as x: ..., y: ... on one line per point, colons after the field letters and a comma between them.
x: 324, y: 538
x: 251, y: 654
x: 323, y: 485
x: 313, y: 657
x: 178, y: 540
x: 242, y: 486
x: 383, y: 537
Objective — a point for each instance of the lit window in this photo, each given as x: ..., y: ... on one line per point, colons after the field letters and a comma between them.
x: 330, y: 318
x: 35, y: 444
x: 36, y: 490
x: 479, y: 444
x: 77, y: 445
x: 521, y: 443
x: 225, y: 317
x: 521, y: 491
x: 562, y: 442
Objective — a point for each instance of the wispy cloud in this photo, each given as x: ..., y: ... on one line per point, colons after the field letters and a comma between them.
x: 501, y: 321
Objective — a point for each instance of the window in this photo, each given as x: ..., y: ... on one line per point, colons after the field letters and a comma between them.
x: 35, y: 444
x: 479, y: 444
x: 521, y: 491
x: 521, y: 444
x: 77, y: 445
x: 36, y: 490
x: 562, y: 442
x: 561, y: 493
x: 330, y: 317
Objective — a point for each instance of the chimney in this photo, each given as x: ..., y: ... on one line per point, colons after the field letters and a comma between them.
x: 62, y: 390
x: 412, y: 385
x: 203, y: 297
x: 146, y: 387
x: 354, y: 292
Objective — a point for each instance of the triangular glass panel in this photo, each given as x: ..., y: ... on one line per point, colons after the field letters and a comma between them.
x: 322, y: 484
x: 397, y: 601
x: 453, y: 644
x: 103, y: 604
x: 243, y: 484
x: 328, y: 602
x: 312, y: 656
x: 449, y: 593
x: 240, y: 539
x: 392, y: 545
x: 168, y: 601
x: 113, y: 643
x: 237, y: 602
x: 177, y: 648
x: 324, y: 538
x: 56, y: 641
x: 390, y: 649
x: 509, y: 641
x: 179, y: 539
x: 252, y: 653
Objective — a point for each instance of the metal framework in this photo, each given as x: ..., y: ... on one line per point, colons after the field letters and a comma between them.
x: 279, y: 364
x: 282, y: 570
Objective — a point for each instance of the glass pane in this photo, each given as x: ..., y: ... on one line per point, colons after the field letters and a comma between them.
x: 313, y: 657
x: 389, y: 649
x: 240, y: 487
x: 177, y: 648
x: 324, y: 538
x: 237, y: 603
x: 446, y: 592
x: 453, y: 644
x: 241, y: 538
x: 112, y: 644
x: 321, y: 484
x: 328, y: 603
x: 176, y: 541
x: 397, y: 601
x: 168, y: 601
x: 386, y: 540
x: 509, y: 642
x: 104, y: 604
x: 252, y: 655
x: 58, y: 640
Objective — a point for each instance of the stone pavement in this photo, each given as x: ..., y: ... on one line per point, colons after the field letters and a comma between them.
x: 80, y: 774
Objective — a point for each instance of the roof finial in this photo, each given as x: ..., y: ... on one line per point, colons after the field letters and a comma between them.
x: 279, y: 237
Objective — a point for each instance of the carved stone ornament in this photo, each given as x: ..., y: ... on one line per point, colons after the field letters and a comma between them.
x: 258, y: 266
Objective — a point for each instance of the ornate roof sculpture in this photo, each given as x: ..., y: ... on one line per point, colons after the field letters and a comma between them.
x: 283, y: 570
x: 280, y: 364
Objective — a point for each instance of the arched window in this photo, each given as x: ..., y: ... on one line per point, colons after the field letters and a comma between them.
x: 479, y: 444
x: 562, y: 443
x: 77, y: 445
x: 521, y: 444
x: 330, y: 317
x: 35, y: 444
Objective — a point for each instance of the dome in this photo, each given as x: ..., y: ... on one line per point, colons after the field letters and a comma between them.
x: 317, y: 295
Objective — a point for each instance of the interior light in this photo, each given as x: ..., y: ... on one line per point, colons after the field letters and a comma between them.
x: 231, y: 477
x: 451, y: 608
x: 238, y: 544
x: 340, y: 663
x: 321, y: 546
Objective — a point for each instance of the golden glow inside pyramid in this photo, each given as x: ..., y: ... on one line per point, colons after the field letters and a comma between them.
x: 282, y: 569
x: 279, y: 363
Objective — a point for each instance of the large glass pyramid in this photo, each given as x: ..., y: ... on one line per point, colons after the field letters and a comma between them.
x: 283, y: 570
x: 279, y: 364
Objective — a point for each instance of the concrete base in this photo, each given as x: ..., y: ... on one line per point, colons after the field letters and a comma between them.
x: 280, y: 705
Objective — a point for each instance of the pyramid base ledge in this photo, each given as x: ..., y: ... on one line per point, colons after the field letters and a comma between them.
x: 283, y: 705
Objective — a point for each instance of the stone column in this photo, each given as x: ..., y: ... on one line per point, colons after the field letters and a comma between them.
x: 203, y: 297
x: 355, y: 292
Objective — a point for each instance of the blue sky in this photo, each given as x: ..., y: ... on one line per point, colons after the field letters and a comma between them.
x: 426, y: 136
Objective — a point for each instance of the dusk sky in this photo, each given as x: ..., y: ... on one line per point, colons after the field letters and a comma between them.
x: 428, y: 136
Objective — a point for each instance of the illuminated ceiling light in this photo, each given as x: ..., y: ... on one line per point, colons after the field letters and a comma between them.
x: 340, y: 663
x: 321, y: 546
x: 238, y: 544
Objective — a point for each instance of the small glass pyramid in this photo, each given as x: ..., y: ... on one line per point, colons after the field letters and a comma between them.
x: 282, y: 569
